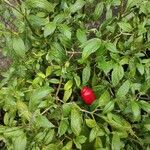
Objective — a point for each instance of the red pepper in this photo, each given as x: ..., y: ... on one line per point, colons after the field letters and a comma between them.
x: 88, y: 95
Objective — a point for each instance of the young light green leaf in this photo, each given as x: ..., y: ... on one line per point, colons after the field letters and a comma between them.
x: 145, y: 106
x: 98, y: 10
x: 126, y: 27
x: 54, y: 81
x: 19, y: 47
x: 76, y: 120
x: 136, y: 111
x: 109, y: 107
x: 20, y: 142
x: 49, y: 29
x: 49, y: 136
x: 77, y: 80
x: 65, y: 30
x: 90, y: 123
x: 48, y: 71
x: 77, y: 6
x: 91, y: 46
x: 43, y: 4
x: 68, y: 146
x: 42, y: 121
x: 86, y: 74
x: 37, y: 95
x: 81, y: 139
x: 117, y: 74
x: 140, y: 68
x: 123, y: 90
x: 111, y: 47
x: 93, y: 134
x: 67, y: 95
x: 63, y: 127
x: 81, y: 36
x: 104, y: 98
x: 68, y: 85
x: 116, y: 142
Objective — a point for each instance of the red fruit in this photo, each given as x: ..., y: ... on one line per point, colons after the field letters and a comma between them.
x: 88, y: 95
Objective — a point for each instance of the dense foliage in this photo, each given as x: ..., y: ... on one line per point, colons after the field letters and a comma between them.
x: 56, y: 48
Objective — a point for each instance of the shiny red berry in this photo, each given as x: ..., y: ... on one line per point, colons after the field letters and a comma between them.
x: 88, y: 95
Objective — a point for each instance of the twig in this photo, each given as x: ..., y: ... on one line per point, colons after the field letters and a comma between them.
x: 58, y: 88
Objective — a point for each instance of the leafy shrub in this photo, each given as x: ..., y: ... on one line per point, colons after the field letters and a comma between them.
x: 59, y: 46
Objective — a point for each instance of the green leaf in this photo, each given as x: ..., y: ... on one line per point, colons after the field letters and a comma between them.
x: 126, y: 27
x: 136, y: 111
x: 49, y: 136
x: 42, y: 121
x: 48, y: 71
x: 93, y: 134
x: 145, y: 105
x: 77, y: 80
x: 41, y: 74
x: 37, y: 21
x: 81, y: 36
x: 49, y: 29
x: 20, y: 142
x: 98, y: 10
x: 66, y: 109
x: 63, y: 127
x: 140, y: 68
x: 43, y: 4
x: 91, y: 46
x: 124, y: 89
x: 90, y: 123
x: 54, y: 81
x: 68, y: 146
x: 104, y: 98
x: 38, y: 95
x: 77, y: 6
x: 116, y: 142
x: 109, y: 107
x: 76, y: 121
x: 86, y: 74
x: 65, y: 30
x: 19, y: 47
x: 68, y: 85
x: 111, y: 47
x: 117, y: 74
x: 81, y: 139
